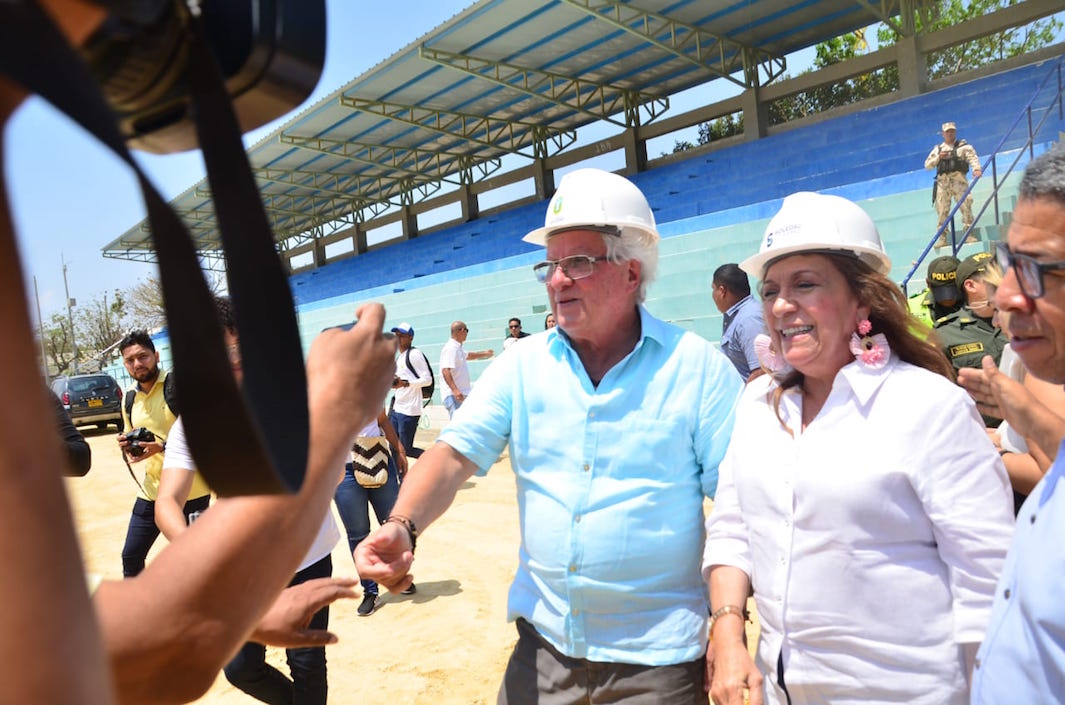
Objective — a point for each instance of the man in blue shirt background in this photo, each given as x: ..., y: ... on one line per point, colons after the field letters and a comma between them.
x: 742, y: 317
x: 1022, y: 659
x: 616, y: 422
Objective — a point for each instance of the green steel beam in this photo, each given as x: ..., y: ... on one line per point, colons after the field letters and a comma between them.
x: 496, y: 133
x: 719, y: 55
x: 597, y: 100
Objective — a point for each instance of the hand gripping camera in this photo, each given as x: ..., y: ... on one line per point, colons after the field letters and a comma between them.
x: 135, y: 438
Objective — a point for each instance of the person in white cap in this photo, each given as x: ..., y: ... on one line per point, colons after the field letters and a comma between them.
x: 616, y: 422
x: 952, y: 158
x: 413, y: 375
x: 871, y: 529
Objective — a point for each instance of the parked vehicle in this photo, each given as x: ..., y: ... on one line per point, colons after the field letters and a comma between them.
x: 91, y: 399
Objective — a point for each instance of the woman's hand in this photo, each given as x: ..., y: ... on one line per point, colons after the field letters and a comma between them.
x: 731, y: 671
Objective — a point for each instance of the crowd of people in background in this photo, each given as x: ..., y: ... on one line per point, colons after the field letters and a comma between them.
x: 865, y: 464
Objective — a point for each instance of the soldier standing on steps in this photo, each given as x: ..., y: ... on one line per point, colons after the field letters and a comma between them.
x: 952, y: 158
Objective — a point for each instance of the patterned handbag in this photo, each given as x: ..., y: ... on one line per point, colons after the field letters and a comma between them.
x: 369, y: 461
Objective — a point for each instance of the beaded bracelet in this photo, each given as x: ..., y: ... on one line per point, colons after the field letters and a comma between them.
x: 408, y: 524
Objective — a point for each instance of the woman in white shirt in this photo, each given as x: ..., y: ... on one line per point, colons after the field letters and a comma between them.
x: 860, y: 497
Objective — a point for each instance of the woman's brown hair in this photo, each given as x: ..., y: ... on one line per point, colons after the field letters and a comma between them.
x: 888, y: 313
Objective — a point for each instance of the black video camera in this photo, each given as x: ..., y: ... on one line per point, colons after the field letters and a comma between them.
x: 135, y: 438
x: 270, y: 53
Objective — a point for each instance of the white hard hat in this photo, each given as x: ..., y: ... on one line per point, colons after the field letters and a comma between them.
x: 596, y: 199
x: 814, y: 222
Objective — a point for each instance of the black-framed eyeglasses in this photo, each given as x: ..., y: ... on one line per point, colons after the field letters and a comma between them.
x: 574, y: 267
x: 1029, y: 270
x: 514, y: 325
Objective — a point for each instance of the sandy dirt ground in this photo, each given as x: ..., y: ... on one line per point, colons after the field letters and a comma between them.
x: 446, y: 645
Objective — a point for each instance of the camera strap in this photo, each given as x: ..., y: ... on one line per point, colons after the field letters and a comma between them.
x: 263, y: 448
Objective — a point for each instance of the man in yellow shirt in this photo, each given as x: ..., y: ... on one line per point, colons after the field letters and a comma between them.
x: 151, y: 410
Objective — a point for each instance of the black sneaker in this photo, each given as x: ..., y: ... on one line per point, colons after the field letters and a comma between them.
x: 369, y: 604
x: 410, y: 591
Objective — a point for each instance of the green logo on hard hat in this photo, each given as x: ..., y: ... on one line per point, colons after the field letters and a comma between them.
x: 557, y: 208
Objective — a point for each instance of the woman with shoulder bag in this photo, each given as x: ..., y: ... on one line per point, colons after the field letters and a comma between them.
x: 378, y: 463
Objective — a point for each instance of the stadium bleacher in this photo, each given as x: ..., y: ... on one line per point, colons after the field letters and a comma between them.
x: 711, y: 209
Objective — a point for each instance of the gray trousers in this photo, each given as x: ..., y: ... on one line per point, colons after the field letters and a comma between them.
x: 537, y: 674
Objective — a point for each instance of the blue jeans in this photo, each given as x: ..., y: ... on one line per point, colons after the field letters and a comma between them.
x: 249, y: 671
x: 142, y: 532
x: 406, y: 427
x: 353, y: 502
x: 451, y: 405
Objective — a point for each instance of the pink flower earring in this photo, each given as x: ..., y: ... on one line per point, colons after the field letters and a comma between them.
x: 773, y: 362
x: 872, y: 351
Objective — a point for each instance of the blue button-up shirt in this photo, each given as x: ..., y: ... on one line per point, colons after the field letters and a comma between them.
x: 610, y: 483
x: 1022, y: 659
x: 742, y: 322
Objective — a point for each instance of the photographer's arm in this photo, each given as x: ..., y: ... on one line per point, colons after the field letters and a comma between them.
x: 173, y: 655
x: 50, y: 644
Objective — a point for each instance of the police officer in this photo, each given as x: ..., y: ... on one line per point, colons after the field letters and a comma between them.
x: 952, y: 159
x: 942, y: 297
x: 968, y: 334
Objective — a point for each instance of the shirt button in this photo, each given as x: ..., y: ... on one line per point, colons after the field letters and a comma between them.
x: 577, y: 519
x: 591, y: 414
x: 586, y: 467
x: 1006, y: 594
x: 976, y: 663
x: 1033, y: 518
x: 573, y: 569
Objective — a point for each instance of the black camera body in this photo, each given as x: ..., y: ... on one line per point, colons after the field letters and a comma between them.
x: 135, y: 438
x: 270, y: 52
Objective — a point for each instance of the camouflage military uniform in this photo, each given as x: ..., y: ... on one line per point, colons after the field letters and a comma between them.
x: 951, y: 178
x: 966, y: 338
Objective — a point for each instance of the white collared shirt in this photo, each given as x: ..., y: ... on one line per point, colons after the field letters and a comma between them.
x: 873, y: 538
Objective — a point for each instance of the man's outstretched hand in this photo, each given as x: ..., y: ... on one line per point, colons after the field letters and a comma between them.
x: 285, y: 623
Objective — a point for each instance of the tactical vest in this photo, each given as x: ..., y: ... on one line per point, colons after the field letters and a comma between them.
x: 953, y: 162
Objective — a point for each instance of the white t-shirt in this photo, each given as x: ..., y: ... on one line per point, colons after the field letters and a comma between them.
x: 409, y: 399
x: 178, y: 457
x: 1012, y: 367
x: 453, y: 357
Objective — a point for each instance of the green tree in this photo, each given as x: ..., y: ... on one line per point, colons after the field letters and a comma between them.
x: 979, y: 52
x: 58, y: 344
x: 100, y: 324
x: 931, y: 16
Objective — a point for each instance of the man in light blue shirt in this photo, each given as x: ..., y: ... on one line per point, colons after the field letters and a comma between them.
x: 616, y: 422
x: 742, y: 317
x: 1022, y: 658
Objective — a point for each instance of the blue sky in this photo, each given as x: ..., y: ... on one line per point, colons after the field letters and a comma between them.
x: 70, y: 198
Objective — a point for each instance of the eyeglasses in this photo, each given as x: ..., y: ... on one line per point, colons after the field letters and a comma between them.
x: 1029, y: 270
x: 514, y: 325
x: 575, y: 267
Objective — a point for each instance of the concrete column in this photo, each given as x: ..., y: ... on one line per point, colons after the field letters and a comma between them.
x: 635, y: 152
x: 471, y: 209
x: 410, y: 223
x: 318, y: 253
x: 913, y: 69
x: 543, y: 179
x: 755, y: 115
x: 358, y: 239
